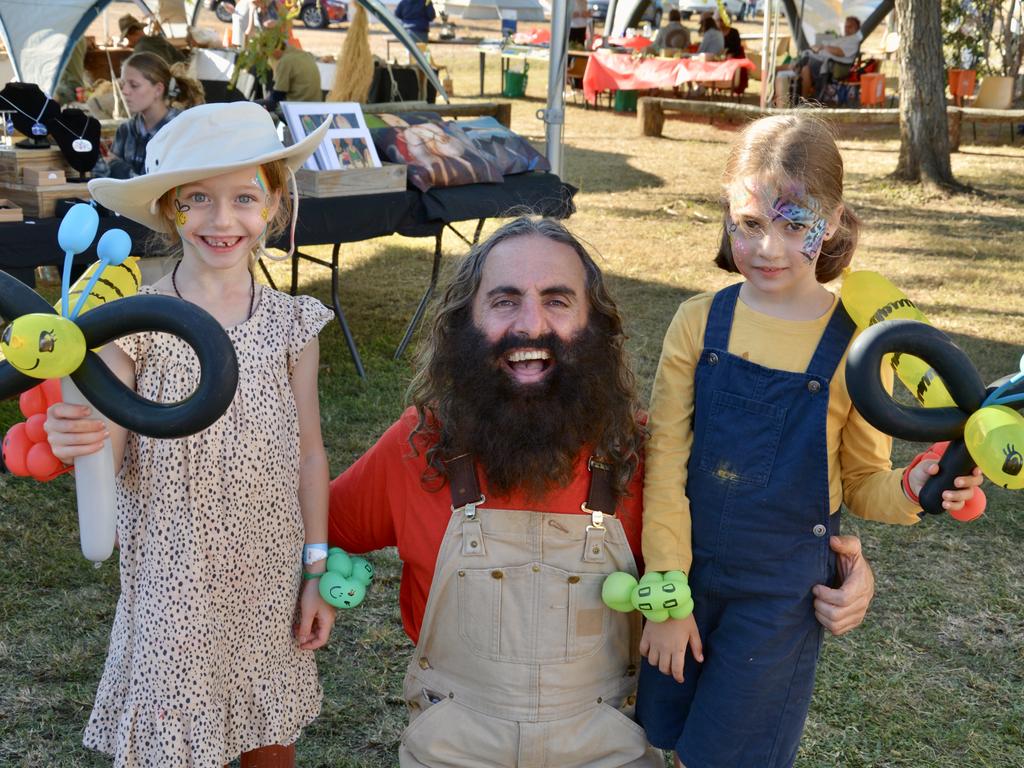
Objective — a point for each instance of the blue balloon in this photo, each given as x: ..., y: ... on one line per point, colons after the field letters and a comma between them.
x: 114, y: 246
x: 78, y: 229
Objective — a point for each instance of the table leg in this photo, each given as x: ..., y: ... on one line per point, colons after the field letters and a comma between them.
x: 482, y: 58
x: 418, y: 314
x: 340, y: 314
x: 479, y: 229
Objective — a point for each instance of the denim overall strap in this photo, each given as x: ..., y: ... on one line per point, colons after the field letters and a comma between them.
x: 833, y: 344
x: 723, y: 306
x: 758, y: 487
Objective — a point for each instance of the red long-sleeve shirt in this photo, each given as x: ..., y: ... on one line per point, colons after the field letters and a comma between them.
x: 380, y: 501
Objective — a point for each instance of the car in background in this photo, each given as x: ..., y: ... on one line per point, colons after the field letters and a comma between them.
x: 315, y: 14
x: 318, y: 14
x: 688, y: 8
x: 652, y: 13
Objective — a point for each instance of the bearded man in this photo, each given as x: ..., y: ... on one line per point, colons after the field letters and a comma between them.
x: 511, y: 489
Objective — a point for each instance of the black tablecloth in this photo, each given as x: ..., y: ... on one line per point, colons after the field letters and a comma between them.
x: 32, y: 243
x: 542, y: 194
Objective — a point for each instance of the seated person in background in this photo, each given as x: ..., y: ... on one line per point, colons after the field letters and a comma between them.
x: 712, y: 41
x: 133, y: 35
x: 416, y: 16
x: 296, y: 77
x: 732, y: 42
x: 813, y: 65
x: 73, y: 76
x: 154, y: 97
x: 673, y: 35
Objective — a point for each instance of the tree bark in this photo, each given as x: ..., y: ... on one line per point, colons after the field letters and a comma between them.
x: 924, y: 140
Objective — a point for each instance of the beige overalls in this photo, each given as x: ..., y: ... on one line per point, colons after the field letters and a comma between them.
x: 519, y: 662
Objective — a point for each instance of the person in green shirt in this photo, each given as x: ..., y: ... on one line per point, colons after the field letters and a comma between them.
x: 134, y: 35
x: 296, y: 77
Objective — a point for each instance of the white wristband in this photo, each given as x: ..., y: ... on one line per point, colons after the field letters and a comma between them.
x: 313, y: 553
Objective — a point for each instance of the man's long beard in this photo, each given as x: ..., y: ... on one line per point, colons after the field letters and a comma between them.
x: 527, y: 438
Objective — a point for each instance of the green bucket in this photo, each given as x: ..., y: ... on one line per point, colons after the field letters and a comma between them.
x: 625, y: 101
x: 515, y: 85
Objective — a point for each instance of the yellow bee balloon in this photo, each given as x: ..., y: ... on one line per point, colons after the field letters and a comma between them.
x: 43, y: 346
x: 870, y: 298
x: 118, y: 282
x: 995, y: 438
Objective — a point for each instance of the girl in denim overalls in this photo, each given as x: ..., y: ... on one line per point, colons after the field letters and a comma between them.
x: 754, y: 446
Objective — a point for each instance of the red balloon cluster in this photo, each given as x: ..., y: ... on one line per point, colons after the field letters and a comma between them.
x: 26, y: 450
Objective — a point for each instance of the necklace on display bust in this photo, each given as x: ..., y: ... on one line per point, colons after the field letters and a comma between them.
x: 80, y: 144
x: 38, y: 129
x: 252, y: 288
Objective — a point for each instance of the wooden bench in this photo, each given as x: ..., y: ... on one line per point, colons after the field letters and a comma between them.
x: 651, y: 111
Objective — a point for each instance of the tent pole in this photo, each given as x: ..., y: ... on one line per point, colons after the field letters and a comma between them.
x: 766, y: 46
x: 554, y: 115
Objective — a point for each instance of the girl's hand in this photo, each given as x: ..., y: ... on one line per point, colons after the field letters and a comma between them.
x: 952, y: 500
x: 316, y: 617
x: 72, y: 433
x: 664, y: 644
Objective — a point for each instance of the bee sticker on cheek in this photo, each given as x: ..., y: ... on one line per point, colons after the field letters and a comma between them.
x: 180, y: 211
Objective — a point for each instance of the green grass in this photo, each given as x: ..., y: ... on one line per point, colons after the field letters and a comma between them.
x: 934, y: 678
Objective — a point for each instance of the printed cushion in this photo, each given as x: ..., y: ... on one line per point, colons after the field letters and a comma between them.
x: 436, y: 155
x: 509, y: 151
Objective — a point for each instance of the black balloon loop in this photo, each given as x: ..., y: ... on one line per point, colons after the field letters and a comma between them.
x: 871, y: 399
x: 218, y: 378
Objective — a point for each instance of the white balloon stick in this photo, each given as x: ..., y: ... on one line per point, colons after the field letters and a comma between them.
x: 94, y: 486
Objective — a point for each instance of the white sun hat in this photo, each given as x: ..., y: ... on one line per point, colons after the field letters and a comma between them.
x: 201, y: 142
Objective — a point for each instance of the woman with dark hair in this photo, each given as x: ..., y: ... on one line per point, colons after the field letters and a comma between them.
x: 712, y: 42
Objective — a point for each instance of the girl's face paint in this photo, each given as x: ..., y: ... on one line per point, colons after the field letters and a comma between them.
x: 226, y: 217
x: 775, y: 237
x: 795, y: 213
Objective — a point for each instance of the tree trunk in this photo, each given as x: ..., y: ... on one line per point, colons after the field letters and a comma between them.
x: 924, y: 141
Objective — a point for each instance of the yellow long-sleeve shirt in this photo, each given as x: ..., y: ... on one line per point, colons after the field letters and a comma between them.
x: 859, y: 468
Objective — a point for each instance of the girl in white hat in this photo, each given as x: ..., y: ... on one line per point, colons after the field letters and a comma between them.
x: 218, y: 529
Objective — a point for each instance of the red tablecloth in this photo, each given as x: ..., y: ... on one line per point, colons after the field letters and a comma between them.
x: 637, y: 42
x: 607, y: 71
x: 534, y: 37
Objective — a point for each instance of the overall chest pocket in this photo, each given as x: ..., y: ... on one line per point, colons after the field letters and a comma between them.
x: 531, y: 613
x: 741, y: 438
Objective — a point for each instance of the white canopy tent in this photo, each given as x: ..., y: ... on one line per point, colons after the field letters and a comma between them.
x: 525, y: 10
x: 40, y: 34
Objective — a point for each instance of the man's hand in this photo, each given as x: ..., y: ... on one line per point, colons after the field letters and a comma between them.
x: 843, y: 609
x: 664, y: 644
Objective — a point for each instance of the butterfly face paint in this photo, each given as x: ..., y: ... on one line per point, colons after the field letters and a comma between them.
x: 795, y: 213
x: 775, y: 235
x: 792, y: 214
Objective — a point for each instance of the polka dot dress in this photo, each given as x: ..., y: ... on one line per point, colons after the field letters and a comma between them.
x: 202, y: 663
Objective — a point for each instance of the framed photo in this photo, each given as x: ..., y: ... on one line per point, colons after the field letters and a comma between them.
x: 347, y: 144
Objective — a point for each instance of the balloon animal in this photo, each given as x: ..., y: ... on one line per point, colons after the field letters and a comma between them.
x: 658, y: 596
x: 346, y: 580
x: 870, y: 298
x: 26, y: 450
x: 981, y: 427
x: 39, y: 343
